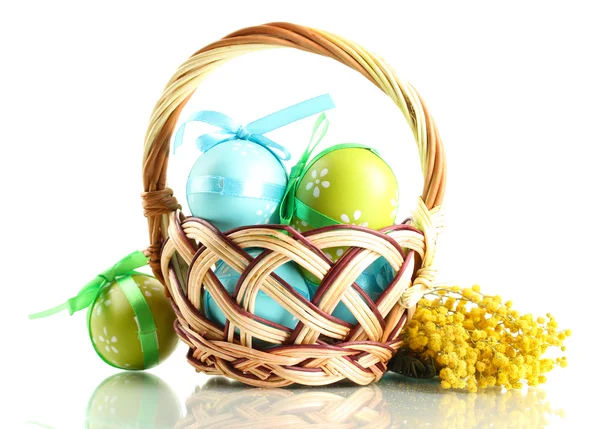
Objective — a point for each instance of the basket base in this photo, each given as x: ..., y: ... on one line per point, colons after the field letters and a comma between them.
x: 362, y: 362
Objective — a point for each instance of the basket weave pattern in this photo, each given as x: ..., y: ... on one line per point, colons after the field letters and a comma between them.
x: 226, y: 407
x: 321, y: 349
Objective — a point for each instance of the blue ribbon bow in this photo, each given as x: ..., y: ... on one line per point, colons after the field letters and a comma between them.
x: 232, y: 130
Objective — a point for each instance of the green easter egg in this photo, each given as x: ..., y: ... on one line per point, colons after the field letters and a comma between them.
x: 133, y: 400
x: 114, y: 326
x: 351, y: 185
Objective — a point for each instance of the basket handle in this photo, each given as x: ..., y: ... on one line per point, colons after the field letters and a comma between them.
x: 159, y: 201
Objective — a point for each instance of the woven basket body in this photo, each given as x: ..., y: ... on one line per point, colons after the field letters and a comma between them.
x: 321, y: 349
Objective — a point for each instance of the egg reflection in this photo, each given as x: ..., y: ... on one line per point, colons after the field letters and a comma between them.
x: 133, y: 400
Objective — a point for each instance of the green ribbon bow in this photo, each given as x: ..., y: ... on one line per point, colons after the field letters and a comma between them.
x: 289, y: 201
x: 121, y: 273
x: 292, y: 206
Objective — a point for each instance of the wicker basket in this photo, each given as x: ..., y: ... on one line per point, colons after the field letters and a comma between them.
x: 321, y: 349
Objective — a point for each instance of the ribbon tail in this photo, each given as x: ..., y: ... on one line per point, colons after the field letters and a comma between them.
x: 210, y: 140
x: 291, y: 114
x: 319, y: 130
x: 77, y: 303
x: 178, y: 139
x: 49, y: 312
x: 285, y: 117
x: 88, y: 293
x: 210, y: 117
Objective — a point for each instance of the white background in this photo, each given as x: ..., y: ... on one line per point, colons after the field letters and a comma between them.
x: 513, y: 87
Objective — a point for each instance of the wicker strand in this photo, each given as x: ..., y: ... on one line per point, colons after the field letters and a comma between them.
x: 431, y: 223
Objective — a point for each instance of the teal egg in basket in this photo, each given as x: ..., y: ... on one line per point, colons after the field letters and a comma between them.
x: 265, y: 307
x: 240, y: 178
x: 374, y: 280
x: 236, y: 183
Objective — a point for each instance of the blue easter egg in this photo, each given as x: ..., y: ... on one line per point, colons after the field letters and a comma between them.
x: 265, y: 306
x: 236, y: 183
x: 374, y: 280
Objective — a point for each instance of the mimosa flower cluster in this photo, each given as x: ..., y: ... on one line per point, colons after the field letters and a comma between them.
x: 475, y: 340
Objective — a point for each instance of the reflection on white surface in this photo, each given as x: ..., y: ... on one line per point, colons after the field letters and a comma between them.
x: 133, y: 400
x: 393, y: 402
x: 142, y: 400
